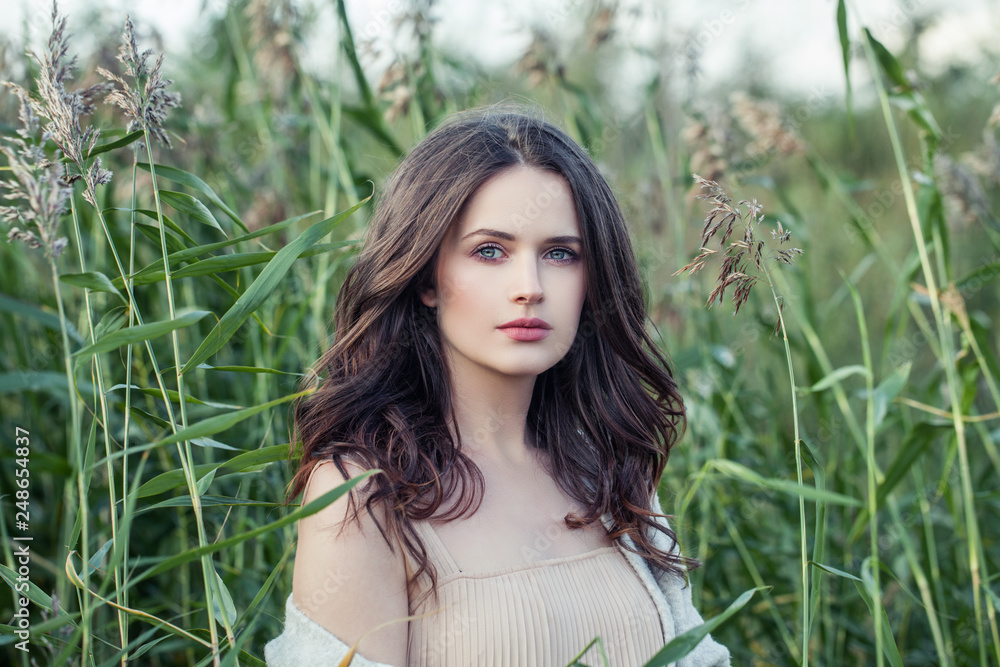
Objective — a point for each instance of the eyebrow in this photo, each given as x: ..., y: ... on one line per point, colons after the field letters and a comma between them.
x: 510, y: 237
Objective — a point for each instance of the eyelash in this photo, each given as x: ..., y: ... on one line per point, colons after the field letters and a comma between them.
x: 572, y: 256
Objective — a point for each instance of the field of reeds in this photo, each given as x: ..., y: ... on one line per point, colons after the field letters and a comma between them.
x: 178, y: 230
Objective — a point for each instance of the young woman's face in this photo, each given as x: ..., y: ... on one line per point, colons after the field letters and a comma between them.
x: 510, y: 281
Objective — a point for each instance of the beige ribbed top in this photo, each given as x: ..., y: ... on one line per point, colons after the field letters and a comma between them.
x: 543, y: 613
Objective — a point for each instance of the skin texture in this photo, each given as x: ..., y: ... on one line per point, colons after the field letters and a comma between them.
x: 348, y: 581
x: 482, y: 281
x: 508, y: 256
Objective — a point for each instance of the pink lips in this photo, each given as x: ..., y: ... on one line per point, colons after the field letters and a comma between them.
x: 526, y: 329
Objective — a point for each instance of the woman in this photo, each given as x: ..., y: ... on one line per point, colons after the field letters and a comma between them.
x: 491, y: 359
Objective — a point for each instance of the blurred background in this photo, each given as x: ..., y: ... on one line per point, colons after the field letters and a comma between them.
x: 852, y: 466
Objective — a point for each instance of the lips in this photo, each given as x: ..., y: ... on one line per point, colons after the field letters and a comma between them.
x: 526, y: 329
x: 526, y: 323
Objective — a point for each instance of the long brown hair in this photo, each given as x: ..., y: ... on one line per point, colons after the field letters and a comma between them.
x: 606, y: 415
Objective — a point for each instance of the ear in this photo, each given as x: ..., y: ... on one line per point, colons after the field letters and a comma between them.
x: 428, y: 296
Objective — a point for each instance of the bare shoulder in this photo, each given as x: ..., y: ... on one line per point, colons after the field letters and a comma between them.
x: 346, y: 577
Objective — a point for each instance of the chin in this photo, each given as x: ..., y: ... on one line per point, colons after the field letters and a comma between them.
x: 527, y: 369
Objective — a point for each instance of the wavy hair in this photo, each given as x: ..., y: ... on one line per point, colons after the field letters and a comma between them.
x: 606, y: 415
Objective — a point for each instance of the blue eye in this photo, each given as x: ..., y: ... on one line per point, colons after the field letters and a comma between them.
x: 488, y: 249
x: 567, y: 255
x: 493, y: 253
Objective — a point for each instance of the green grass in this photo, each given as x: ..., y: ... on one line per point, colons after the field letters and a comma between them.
x: 846, y: 469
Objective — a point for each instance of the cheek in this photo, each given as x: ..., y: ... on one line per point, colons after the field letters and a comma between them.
x: 579, y: 292
x: 452, y: 284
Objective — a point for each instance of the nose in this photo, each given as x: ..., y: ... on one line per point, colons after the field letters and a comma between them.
x: 527, y: 287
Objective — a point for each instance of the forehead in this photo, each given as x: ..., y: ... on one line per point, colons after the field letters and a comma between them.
x: 520, y: 200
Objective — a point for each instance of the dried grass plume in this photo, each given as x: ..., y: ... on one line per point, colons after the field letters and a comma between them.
x: 146, y: 100
x: 744, y: 259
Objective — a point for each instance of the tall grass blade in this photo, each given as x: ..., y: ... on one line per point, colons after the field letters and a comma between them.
x: 195, y: 183
x: 192, y: 207
x: 684, y: 643
x: 138, y: 333
x: 269, y: 279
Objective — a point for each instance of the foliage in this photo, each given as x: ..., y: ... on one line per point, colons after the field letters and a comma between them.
x: 849, y: 475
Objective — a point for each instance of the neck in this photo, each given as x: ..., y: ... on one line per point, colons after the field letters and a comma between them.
x: 491, y: 413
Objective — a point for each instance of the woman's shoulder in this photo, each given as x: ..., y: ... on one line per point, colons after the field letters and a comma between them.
x: 326, y: 474
x: 348, y: 579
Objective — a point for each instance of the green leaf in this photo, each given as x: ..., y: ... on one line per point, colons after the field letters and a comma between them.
x: 38, y: 628
x: 205, y: 482
x: 930, y: 211
x: 904, y: 96
x: 223, y: 263
x: 889, y: 64
x: 369, y: 116
x: 138, y: 333
x: 262, y: 593
x: 226, y: 609
x: 845, y: 40
x: 914, y: 445
x: 262, y: 287
x: 208, y: 442
x: 95, y: 281
x: 112, y: 321
x: 184, y: 254
x: 865, y: 585
x: 196, y: 251
x: 184, y: 178
x: 983, y: 336
x: 836, y: 376
x: 98, y: 558
x: 916, y: 107
x: 219, y: 423
x: 247, y: 369
x: 136, y: 648
x: 209, y: 501
x: 152, y: 232
x: 149, y: 418
x: 835, y: 571
x: 110, y: 146
x: 171, y: 225
x: 867, y: 590
x: 175, y: 397
x: 194, y: 208
x: 34, y: 593
x: 739, y: 471
x: 889, y: 389
x: 116, y: 144
x: 312, y: 508
x: 242, y: 462
x: 684, y: 643
x: 86, y: 476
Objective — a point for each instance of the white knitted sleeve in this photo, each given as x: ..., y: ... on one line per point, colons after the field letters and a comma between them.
x: 709, y: 652
x: 306, y: 643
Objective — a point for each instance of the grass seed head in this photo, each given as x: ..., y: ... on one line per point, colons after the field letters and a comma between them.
x: 743, y: 260
x: 146, y: 99
x: 762, y: 121
x: 39, y: 185
x: 62, y: 108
